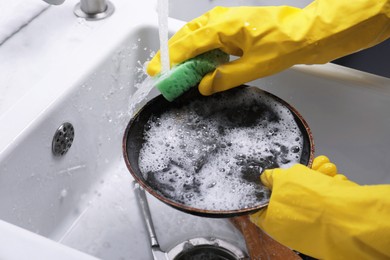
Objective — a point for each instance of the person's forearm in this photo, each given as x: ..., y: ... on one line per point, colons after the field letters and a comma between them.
x: 336, y: 28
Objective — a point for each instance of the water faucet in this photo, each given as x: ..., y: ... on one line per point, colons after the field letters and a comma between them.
x: 89, y: 9
x: 54, y: 2
x: 94, y: 9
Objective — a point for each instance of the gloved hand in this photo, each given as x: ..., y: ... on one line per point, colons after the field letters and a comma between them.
x: 322, y: 214
x: 271, y: 39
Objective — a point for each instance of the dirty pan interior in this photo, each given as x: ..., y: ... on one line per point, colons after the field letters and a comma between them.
x: 183, y: 181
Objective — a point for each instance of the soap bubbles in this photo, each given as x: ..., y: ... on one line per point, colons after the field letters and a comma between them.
x: 209, y: 153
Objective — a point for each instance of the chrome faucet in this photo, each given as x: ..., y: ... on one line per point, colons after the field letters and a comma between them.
x: 89, y: 9
x: 54, y: 2
x: 94, y: 9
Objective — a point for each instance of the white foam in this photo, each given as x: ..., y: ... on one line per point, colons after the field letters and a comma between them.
x: 199, y: 159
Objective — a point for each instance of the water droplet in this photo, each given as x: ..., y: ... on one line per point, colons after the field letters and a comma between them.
x: 64, y: 193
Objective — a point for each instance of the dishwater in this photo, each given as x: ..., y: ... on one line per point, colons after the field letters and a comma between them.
x: 209, y: 153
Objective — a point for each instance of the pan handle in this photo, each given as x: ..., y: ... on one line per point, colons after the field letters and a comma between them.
x: 259, y: 244
x: 142, y: 200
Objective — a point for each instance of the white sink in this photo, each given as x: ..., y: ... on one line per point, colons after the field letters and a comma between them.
x: 84, y: 199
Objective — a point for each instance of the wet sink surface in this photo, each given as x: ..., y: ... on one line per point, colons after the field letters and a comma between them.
x: 84, y: 199
x: 111, y: 225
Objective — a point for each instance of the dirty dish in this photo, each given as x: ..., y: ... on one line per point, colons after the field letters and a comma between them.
x: 203, y: 155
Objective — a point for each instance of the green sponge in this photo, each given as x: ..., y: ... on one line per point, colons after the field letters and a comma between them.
x: 189, y: 73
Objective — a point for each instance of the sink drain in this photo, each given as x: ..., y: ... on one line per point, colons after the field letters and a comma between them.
x: 205, y: 253
x: 200, y: 248
x: 63, y: 139
x: 206, y: 249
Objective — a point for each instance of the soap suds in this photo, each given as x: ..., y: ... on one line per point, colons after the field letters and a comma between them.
x: 209, y: 153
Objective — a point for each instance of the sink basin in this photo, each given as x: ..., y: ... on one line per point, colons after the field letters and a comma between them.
x: 83, y: 202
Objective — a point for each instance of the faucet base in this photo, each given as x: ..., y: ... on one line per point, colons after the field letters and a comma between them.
x: 94, y: 16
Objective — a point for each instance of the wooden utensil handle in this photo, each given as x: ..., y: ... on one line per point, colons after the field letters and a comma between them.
x: 259, y: 244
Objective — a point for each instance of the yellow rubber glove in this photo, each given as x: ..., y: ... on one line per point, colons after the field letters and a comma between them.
x: 324, y: 215
x: 271, y: 39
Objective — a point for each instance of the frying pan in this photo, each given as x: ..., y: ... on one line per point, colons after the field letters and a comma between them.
x: 134, y: 139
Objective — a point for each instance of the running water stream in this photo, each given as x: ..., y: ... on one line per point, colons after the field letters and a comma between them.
x: 147, y: 85
x: 163, y: 34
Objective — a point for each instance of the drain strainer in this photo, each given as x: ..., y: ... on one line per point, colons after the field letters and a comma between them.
x: 63, y: 139
x: 206, y: 249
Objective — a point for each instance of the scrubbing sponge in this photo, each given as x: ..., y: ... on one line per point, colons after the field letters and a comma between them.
x: 188, y: 73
